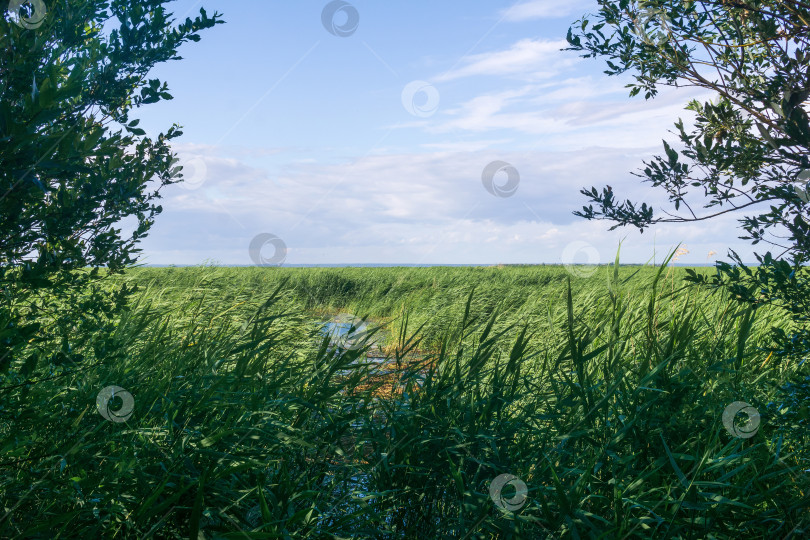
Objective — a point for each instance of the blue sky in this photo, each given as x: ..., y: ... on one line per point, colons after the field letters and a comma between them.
x: 370, y: 147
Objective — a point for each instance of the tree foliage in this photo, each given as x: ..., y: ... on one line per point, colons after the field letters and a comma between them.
x: 747, y: 150
x: 73, y: 161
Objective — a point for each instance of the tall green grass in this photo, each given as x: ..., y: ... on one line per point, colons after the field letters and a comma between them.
x: 604, y: 396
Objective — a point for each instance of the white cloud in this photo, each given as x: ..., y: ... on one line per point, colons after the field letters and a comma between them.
x: 417, y: 208
x: 465, y: 146
x: 543, y: 9
x: 570, y: 114
x: 528, y: 58
x: 213, y: 150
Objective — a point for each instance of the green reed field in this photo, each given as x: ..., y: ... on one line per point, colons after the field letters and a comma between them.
x: 602, y: 401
